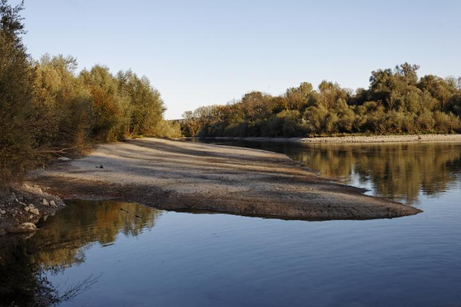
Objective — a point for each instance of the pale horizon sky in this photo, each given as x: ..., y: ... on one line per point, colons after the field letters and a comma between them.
x: 210, y: 52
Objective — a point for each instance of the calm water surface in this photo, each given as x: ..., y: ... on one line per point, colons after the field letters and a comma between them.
x: 119, y: 254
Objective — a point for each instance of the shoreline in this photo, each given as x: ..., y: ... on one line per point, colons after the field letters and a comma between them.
x: 357, y: 139
x: 193, y: 177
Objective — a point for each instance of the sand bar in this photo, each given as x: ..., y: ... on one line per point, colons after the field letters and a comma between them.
x: 186, y: 176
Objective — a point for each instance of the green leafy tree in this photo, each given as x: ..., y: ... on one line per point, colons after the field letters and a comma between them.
x: 146, y: 105
x: 16, y: 109
x: 397, y: 101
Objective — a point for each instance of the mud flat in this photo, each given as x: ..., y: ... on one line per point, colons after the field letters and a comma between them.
x: 360, y: 139
x: 186, y: 176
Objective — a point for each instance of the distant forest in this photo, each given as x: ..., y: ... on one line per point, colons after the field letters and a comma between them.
x: 46, y: 108
x: 396, y: 102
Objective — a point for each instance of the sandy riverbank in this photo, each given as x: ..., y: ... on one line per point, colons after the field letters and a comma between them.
x: 187, y: 176
x: 358, y: 139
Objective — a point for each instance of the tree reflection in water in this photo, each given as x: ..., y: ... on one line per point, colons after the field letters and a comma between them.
x: 398, y: 171
x: 25, y: 262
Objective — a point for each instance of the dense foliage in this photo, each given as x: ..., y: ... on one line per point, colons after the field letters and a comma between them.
x: 396, y: 102
x: 46, y: 106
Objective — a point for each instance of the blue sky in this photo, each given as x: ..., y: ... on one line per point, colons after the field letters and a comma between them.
x: 210, y: 52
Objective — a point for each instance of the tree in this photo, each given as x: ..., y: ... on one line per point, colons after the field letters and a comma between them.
x: 395, y: 102
x: 111, y: 108
x: 16, y: 110
x: 146, y: 105
x: 64, y: 105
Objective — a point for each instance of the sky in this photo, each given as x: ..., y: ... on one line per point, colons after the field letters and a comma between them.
x: 200, y: 52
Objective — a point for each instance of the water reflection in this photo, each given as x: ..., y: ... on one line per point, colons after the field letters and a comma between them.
x: 60, y: 244
x: 399, y: 171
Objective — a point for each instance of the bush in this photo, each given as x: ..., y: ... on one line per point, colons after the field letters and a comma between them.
x: 446, y: 123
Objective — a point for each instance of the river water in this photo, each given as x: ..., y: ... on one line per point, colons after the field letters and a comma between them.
x: 121, y: 254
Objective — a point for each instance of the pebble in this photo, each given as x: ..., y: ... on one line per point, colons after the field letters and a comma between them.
x: 45, y: 202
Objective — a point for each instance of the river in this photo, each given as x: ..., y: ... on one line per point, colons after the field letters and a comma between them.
x: 121, y: 254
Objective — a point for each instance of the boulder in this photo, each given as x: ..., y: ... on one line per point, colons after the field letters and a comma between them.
x: 22, y: 228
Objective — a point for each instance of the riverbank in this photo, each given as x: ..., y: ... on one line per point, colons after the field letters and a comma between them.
x: 360, y: 139
x: 184, y: 176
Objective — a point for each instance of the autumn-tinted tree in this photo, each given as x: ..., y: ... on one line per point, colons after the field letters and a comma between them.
x: 397, y: 101
x: 16, y: 109
x: 46, y: 107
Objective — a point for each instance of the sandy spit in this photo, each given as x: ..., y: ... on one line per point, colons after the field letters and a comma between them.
x: 186, y: 176
x: 422, y: 138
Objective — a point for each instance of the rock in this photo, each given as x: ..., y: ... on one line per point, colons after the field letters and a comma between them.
x: 27, y: 209
x: 23, y: 228
x: 45, y: 202
x: 34, y: 189
x: 64, y: 159
x: 34, y: 211
x: 2, y: 211
x: 52, y: 203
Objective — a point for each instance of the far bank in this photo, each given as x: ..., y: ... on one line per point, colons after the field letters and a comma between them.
x: 359, y: 139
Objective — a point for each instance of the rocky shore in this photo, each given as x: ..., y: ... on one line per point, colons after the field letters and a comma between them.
x: 24, y: 206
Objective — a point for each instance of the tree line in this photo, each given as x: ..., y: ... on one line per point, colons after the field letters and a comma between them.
x: 397, y: 101
x: 45, y: 106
